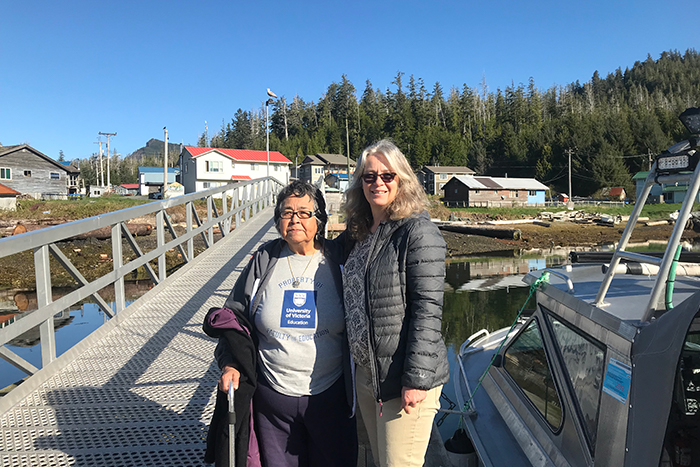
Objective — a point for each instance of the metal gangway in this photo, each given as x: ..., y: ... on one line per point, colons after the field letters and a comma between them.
x: 139, y: 390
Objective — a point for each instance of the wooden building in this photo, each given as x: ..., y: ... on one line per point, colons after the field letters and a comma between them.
x: 30, y: 172
x: 321, y: 165
x: 469, y: 191
x: 434, y: 177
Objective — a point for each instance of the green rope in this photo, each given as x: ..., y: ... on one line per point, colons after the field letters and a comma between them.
x: 670, y: 282
x: 544, y: 278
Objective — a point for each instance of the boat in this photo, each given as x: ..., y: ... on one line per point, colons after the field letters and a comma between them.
x: 605, y: 370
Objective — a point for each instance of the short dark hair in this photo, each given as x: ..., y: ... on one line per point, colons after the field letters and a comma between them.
x: 300, y: 188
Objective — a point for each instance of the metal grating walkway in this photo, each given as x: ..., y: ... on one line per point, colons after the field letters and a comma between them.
x: 140, y: 390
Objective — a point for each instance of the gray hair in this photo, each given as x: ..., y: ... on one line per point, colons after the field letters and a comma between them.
x: 410, y: 197
x: 300, y: 188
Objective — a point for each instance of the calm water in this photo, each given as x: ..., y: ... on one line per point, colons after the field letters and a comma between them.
x: 479, y: 293
x: 71, y: 325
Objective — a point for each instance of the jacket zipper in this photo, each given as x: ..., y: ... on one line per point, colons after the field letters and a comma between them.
x: 373, y: 364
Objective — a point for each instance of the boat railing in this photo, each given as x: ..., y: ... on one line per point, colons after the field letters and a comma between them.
x: 562, y: 276
x: 656, y: 299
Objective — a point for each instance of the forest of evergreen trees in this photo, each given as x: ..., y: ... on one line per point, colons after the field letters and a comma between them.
x: 612, y: 125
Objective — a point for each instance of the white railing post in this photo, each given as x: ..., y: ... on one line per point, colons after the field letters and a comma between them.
x: 210, y: 216
x: 118, y: 262
x: 160, y: 237
x: 42, y: 270
x: 190, y: 242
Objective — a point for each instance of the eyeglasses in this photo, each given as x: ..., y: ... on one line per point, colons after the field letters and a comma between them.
x: 386, y: 177
x: 300, y: 214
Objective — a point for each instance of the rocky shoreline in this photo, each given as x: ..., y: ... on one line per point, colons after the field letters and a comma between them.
x: 559, y: 234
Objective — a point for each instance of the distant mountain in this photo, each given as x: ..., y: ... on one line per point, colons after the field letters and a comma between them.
x: 155, y: 148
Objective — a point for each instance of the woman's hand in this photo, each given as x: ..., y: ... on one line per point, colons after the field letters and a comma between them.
x: 230, y: 376
x: 411, y: 397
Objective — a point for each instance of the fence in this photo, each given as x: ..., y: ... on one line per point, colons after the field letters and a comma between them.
x: 246, y: 200
x: 515, y: 204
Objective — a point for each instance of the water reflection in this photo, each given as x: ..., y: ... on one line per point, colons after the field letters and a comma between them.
x: 71, y: 325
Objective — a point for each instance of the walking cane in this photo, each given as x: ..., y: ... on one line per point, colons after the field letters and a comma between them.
x: 231, y: 427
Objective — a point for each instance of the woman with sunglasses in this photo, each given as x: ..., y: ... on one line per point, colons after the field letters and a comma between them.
x: 282, y: 342
x: 393, y: 281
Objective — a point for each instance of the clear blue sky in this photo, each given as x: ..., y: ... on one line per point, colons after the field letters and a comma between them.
x: 73, y: 68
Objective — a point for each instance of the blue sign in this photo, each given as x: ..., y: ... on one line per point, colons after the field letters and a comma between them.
x: 299, y: 309
x: 617, y: 380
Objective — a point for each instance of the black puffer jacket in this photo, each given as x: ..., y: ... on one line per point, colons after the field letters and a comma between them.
x: 404, y: 285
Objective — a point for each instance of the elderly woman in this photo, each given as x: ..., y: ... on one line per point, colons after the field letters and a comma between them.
x: 285, y: 316
x: 393, y: 284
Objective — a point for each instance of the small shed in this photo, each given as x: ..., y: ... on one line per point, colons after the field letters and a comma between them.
x: 8, y: 198
x: 127, y: 189
x: 616, y: 193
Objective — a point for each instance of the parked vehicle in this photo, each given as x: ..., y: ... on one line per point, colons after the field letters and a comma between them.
x: 606, y: 370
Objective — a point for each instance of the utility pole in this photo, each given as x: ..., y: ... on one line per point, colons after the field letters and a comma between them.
x: 109, y: 184
x: 347, y: 140
x: 165, y: 163
x: 101, y: 176
x: 571, y: 196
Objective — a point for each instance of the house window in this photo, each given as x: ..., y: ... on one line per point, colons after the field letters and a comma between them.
x: 526, y: 362
x: 233, y: 164
x: 318, y: 170
x: 276, y: 167
x: 5, y: 173
x: 476, y: 192
x: 532, y: 193
x: 55, y: 176
x: 206, y: 184
x: 254, y: 166
x: 215, y: 166
x: 443, y: 176
x: 27, y: 173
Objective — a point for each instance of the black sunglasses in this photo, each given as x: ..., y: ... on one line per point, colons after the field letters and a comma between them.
x: 386, y: 177
x: 299, y: 214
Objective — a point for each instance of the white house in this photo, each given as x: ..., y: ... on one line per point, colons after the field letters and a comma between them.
x: 202, y: 168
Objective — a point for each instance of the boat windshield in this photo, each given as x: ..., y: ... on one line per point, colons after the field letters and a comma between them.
x: 526, y: 362
x: 584, y: 362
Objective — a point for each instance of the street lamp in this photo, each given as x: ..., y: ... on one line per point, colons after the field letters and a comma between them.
x: 267, y: 127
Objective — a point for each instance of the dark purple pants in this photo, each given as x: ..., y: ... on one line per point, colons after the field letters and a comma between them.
x: 307, y: 431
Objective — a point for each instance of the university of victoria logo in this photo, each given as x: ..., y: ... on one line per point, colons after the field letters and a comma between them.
x: 299, y: 298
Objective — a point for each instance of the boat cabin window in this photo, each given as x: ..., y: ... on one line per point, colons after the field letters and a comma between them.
x: 526, y: 362
x: 584, y: 362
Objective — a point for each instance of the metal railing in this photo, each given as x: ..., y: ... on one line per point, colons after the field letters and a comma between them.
x: 239, y: 201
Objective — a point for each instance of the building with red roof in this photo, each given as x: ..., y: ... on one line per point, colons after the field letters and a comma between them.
x: 8, y: 198
x: 128, y: 189
x: 203, y: 168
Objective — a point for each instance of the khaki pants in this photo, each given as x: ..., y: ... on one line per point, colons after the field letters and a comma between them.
x: 397, y: 439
